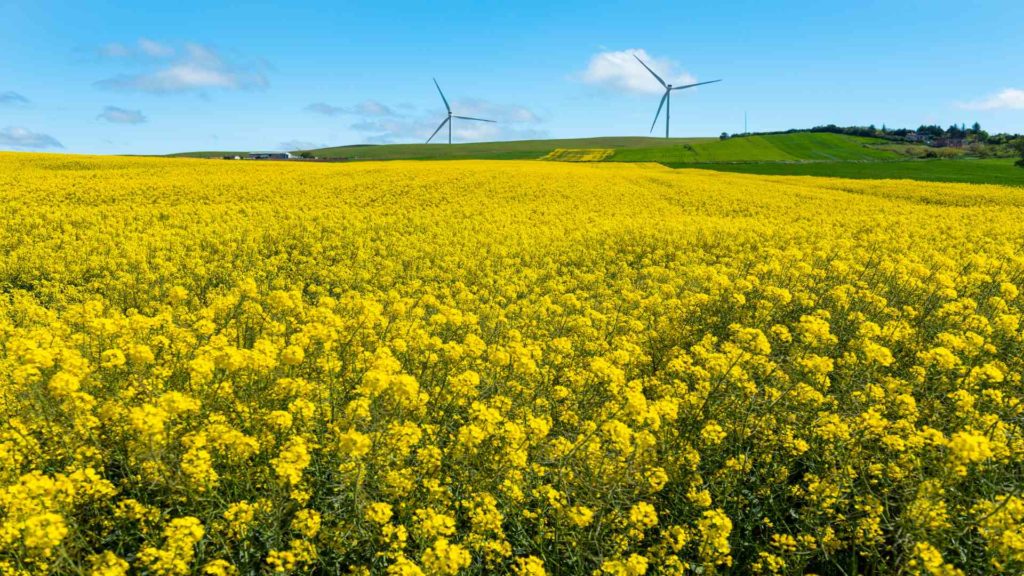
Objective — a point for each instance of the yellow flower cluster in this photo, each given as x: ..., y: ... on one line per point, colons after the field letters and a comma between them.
x: 175, y: 556
x: 505, y: 367
x: 579, y: 154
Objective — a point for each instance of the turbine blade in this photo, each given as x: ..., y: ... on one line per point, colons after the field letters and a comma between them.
x: 663, y: 98
x: 649, y: 70
x: 443, y: 122
x: 442, y: 96
x: 692, y: 85
x: 471, y: 118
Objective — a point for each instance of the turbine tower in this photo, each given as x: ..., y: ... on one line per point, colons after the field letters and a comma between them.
x: 666, y: 100
x: 448, y: 120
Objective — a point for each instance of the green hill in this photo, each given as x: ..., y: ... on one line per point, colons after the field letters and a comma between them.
x: 800, y: 153
x: 508, y: 150
x: 773, y: 148
x: 797, y: 147
x: 511, y: 150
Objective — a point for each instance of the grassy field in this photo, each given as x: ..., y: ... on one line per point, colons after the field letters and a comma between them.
x: 798, y: 154
x: 997, y: 171
x: 772, y: 148
x: 781, y: 147
x: 511, y: 150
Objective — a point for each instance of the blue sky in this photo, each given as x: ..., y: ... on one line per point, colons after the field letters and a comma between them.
x: 132, y: 77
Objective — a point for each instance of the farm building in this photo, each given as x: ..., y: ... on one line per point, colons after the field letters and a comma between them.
x: 270, y: 156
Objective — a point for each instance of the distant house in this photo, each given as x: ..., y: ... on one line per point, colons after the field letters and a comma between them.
x: 270, y: 156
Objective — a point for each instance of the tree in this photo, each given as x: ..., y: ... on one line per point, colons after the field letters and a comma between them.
x: 724, y: 136
x: 1019, y: 145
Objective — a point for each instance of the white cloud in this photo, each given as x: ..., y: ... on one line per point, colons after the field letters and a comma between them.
x: 117, y: 115
x: 143, y: 48
x: 115, y: 50
x: 292, y: 145
x: 621, y: 71
x: 394, y: 129
x: 24, y: 139
x: 326, y: 109
x: 374, y: 113
x: 382, y: 123
x: 1009, y: 99
x: 373, y: 108
x: 364, y: 108
x: 197, y: 68
x: 462, y: 131
x: 154, y: 48
x: 513, y: 123
x: 500, y: 112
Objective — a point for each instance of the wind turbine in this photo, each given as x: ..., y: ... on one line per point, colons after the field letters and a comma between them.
x: 448, y: 120
x: 666, y: 100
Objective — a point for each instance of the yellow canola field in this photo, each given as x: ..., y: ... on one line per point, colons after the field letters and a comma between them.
x: 504, y: 367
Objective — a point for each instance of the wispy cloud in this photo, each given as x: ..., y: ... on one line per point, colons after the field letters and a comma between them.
x: 1009, y: 99
x: 192, y: 68
x: 364, y: 108
x: 373, y: 108
x: 117, y: 115
x: 326, y: 109
x: 155, y: 49
x: 115, y: 50
x: 292, y: 145
x: 492, y: 111
x: 461, y: 132
x: 13, y: 99
x: 381, y: 123
x: 513, y: 123
x: 142, y: 48
x: 620, y: 71
x: 25, y: 139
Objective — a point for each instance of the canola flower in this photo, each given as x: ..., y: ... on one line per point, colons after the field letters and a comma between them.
x: 505, y: 367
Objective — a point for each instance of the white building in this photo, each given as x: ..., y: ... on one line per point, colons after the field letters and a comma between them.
x: 270, y: 156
